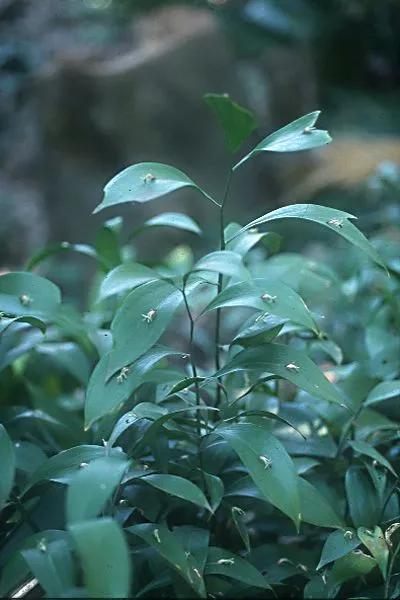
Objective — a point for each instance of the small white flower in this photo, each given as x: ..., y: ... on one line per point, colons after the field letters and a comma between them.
x: 267, y: 462
x: 157, y: 536
x: 308, y: 130
x: 148, y: 178
x: 25, y: 300
x: 226, y: 561
x: 335, y: 223
x: 150, y: 316
x: 42, y: 545
x: 293, y: 368
x: 123, y: 374
x: 348, y: 534
x: 268, y: 298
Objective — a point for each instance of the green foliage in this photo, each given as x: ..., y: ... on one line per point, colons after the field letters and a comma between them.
x: 226, y: 426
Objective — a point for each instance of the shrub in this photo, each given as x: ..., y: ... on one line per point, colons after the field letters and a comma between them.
x: 254, y: 453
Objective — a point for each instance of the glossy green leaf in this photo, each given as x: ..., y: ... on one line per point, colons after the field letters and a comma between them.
x: 383, y: 391
x: 33, y: 321
x: 298, y: 135
x: 107, y: 243
x: 167, y: 544
x: 64, y: 465
x: 354, y: 564
x: 27, y: 294
x: 215, y: 489
x: 223, y: 562
x: 144, y: 182
x: 364, y: 504
x: 175, y: 220
x: 237, y: 122
x: 141, y: 320
x: 338, y: 544
x: 92, y: 486
x: 104, y: 556
x: 103, y: 397
x: 125, y: 278
x: 375, y: 541
x: 316, y: 509
x: 268, y: 464
x: 225, y: 262
x: 52, y: 566
x: 7, y: 460
x: 368, y: 450
x: 336, y: 220
x: 286, y: 362
x: 256, y: 333
x: 180, y: 487
x: 272, y: 297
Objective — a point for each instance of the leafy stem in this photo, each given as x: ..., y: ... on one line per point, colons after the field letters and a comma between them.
x: 220, y: 281
x: 390, y: 571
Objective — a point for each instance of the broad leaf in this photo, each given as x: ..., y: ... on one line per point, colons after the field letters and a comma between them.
x: 63, y: 466
x: 7, y: 459
x: 52, y: 566
x: 268, y: 464
x: 167, y: 544
x: 355, y: 564
x: 92, y: 486
x: 104, y: 556
x: 180, y: 487
x: 383, y: 391
x: 172, y: 219
x: 141, y: 320
x: 125, y: 278
x: 272, y: 297
x: 286, y: 362
x: 298, y: 135
x: 338, y: 544
x: 215, y: 489
x: 336, y: 220
x: 316, y: 509
x: 225, y: 262
x: 144, y: 182
x: 107, y: 243
x: 375, y: 541
x: 237, y: 122
x: 364, y: 504
x: 368, y: 450
x: 27, y: 294
x: 103, y: 397
x: 223, y: 562
x: 83, y: 249
x: 238, y: 519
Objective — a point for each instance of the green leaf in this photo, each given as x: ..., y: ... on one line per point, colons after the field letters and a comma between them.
x: 286, y: 362
x: 215, y: 489
x: 83, y: 249
x: 141, y: 320
x: 35, y: 322
x: 125, y: 277
x: 63, y: 466
x: 383, y: 391
x: 144, y: 410
x: 52, y: 566
x: 107, y: 242
x: 103, y: 397
x: 144, y: 182
x: 316, y: 509
x: 237, y: 122
x: 336, y: 220
x: 180, y: 487
x: 364, y: 505
x: 338, y: 544
x: 238, y: 519
x: 261, y: 332
x: 225, y: 262
x: 27, y: 294
x: 167, y: 544
x: 7, y: 459
x: 273, y: 297
x: 268, y: 464
x: 298, y: 135
x: 173, y: 219
x: 223, y: 562
x: 92, y: 486
x: 70, y: 356
x: 376, y: 544
x: 368, y: 450
x: 104, y: 556
x: 355, y: 564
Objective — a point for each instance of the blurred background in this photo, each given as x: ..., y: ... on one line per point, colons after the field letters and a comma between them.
x: 88, y: 87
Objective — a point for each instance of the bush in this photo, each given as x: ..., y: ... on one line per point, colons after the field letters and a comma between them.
x: 253, y: 454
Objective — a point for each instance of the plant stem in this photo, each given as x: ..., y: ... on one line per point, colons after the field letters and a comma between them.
x: 389, y: 572
x: 192, y: 362
x: 220, y: 281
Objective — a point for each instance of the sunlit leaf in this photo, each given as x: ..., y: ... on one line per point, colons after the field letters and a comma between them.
x: 375, y: 541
